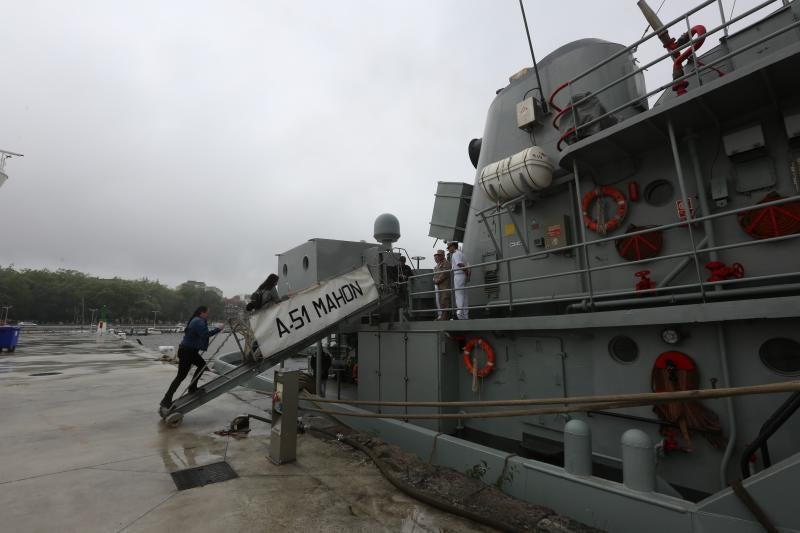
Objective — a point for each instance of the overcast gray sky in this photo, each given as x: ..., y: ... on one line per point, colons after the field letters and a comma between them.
x: 195, y: 140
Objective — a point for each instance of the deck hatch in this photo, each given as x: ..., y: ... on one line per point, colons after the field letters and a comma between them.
x: 203, y: 475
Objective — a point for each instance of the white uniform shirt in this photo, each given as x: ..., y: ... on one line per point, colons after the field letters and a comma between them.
x: 457, y: 260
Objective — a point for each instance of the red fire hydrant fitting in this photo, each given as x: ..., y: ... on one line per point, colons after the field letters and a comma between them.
x: 720, y: 272
x: 670, y: 442
x: 644, y: 282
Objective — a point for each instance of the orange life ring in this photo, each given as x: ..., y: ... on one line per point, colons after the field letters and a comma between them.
x: 616, y: 221
x: 486, y: 347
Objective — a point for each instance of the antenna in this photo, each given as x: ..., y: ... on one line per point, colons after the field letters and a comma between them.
x: 654, y: 19
x: 5, y: 154
x: 533, y: 56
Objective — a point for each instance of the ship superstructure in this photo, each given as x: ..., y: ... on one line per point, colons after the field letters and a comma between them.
x: 664, y: 237
x: 622, y: 240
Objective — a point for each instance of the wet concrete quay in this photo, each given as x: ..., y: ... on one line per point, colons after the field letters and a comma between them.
x: 83, y: 450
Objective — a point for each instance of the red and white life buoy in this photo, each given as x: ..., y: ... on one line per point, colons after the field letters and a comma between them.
x: 486, y: 347
x: 615, y: 222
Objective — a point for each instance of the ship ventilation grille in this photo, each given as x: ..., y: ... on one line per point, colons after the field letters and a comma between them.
x: 203, y: 475
x: 490, y: 276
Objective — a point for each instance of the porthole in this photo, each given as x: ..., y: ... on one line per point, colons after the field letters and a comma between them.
x: 781, y: 355
x: 659, y: 192
x: 285, y: 270
x: 305, y: 262
x: 623, y: 349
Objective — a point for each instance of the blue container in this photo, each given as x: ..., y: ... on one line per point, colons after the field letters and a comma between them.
x: 9, y: 335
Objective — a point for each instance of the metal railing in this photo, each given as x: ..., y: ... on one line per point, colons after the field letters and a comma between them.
x: 670, y: 292
x: 592, y: 295
x: 575, y: 129
x: 772, y: 424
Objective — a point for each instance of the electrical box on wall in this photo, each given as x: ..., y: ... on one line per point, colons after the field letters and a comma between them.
x: 555, y: 232
x: 743, y: 140
x: 526, y: 113
x: 791, y: 120
x: 719, y: 191
x: 754, y: 174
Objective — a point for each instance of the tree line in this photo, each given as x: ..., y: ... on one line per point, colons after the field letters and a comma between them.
x: 67, y: 296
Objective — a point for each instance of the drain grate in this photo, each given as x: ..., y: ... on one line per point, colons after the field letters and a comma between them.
x: 203, y: 475
x: 46, y: 374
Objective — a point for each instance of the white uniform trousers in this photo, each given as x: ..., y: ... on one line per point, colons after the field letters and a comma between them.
x: 459, y: 282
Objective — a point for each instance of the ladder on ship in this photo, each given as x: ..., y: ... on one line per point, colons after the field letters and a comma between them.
x: 372, y: 296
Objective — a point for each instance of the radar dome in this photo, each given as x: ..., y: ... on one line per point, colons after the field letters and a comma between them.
x: 387, y: 228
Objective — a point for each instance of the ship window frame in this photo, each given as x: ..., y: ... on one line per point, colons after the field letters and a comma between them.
x: 656, y: 185
x: 305, y: 262
x: 614, y: 352
x: 285, y: 269
x: 770, y: 365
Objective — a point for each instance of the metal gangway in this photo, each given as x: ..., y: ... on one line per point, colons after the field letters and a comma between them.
x: 283, y: 329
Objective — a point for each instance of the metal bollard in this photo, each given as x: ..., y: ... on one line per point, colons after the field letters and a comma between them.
x: 578, y: 448
x: 283, y: 435
x: 638, y: 461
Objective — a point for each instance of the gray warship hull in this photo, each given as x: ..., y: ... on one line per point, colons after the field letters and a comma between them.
x: 694, y: 263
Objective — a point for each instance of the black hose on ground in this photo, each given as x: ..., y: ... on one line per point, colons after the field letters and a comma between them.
x: 412, y: 491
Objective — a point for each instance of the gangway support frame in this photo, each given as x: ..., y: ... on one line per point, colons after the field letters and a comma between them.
x: 250, y: 368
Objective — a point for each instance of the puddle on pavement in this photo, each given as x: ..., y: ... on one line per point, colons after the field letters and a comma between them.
x: 52, y: 353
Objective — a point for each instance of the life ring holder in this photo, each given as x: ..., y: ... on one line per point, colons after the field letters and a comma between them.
x: 486, y: 347
x: 619, y: 216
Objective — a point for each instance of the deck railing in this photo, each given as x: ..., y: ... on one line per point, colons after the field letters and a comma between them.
x: 591, y: 296
x: 699, y: 290
x: 573, y: 131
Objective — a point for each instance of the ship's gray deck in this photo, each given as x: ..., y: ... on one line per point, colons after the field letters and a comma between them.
x: 763, y: 308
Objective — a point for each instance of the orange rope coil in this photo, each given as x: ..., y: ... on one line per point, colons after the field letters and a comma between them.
x: 486, y: 347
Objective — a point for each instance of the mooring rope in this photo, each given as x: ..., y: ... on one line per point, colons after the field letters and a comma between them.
x: 570, y: 405
x: 700, y: 394
x: 485, y: 414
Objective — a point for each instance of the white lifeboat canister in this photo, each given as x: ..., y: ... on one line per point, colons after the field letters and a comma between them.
x: 523, y: 173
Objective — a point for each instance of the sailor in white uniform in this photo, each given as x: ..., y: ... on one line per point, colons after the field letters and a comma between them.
x: 461, y: 275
